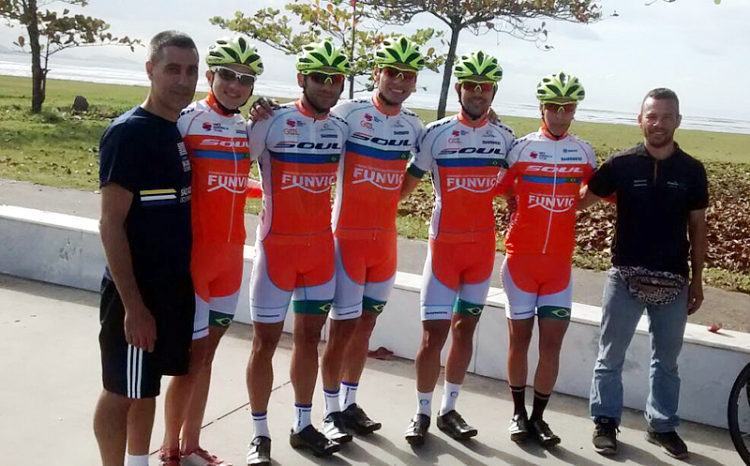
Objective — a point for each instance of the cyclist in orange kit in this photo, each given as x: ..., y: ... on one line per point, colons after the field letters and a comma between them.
x: 545, y: 172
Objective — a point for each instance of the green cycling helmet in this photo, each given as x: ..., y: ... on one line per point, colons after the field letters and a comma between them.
x: 235, y: 50
x: 322, y: 57
x: 560, y: 88
x: 399, y: 51
x: 478, y: 65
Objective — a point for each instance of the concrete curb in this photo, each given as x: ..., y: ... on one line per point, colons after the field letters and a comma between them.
x: 66, y: 250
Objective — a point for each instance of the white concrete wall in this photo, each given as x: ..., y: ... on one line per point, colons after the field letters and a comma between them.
x: 66, y: 250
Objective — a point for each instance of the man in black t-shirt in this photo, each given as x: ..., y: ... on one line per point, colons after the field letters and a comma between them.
x: 662, y: 195
x: 147, y: 302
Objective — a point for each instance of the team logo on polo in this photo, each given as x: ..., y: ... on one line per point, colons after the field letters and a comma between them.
x: 231, y: 182
x: 554, y: 204
x: 389, y: 180
x: 471, y: 183
x: 311, y: 182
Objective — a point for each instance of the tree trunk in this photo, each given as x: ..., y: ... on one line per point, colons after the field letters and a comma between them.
x: 37, y: 74
x: 448, y: 68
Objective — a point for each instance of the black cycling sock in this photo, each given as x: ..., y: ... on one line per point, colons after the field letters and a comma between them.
x: 519, y: 400
x: 540, y: 402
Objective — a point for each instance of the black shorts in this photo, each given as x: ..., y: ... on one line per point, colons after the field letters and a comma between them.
x: 133, y: 372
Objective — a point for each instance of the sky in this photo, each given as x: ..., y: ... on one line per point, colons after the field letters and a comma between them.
x: 695, y: 47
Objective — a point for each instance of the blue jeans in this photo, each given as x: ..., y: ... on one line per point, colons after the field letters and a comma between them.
x: 620, y: 315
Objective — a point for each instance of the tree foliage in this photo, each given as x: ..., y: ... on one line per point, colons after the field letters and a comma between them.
x: 304, y: 22
x: 49, y: 32
x: 481, y: 16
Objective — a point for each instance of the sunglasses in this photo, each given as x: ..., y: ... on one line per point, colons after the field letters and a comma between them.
x: 399, y: 74
x: 560, y: 108
x: 477, y: 86
x: 228, y: 74
x: 323, y: 78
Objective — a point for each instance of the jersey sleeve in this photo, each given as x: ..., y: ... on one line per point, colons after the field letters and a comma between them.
x: 183, y: 122
x: 118, y: 163
x: 343, y: 109
x: 698, y: 194
x: 509, y: 170
x: 590, y: 161
x: 257, y: 131
x: 422, y: 160
x: 603, y: 182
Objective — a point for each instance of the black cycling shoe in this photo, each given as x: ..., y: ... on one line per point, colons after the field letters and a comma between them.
x: 259, y: 453
x: 454, y: 425
x: 543, y: 433
x: 417, y: 429
x: 519, y: 428
x: 670, y: 442
x: 356, y: 420
x: 333, y: 428
x: 313, y: 440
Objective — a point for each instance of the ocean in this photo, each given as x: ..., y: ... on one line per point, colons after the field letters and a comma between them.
x: 131, y: 73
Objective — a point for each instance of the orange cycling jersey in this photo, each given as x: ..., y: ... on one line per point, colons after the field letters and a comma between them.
x: 218, y: 149
x: 464, y: 158
x: 545, y: 174
x: 298, y: 157
x: 378, y: 146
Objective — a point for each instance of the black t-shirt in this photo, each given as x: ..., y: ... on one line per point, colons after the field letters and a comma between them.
x: 146, y: 155
x: 654, y: 198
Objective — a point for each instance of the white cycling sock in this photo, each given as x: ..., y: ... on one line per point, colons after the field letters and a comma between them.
x: 424, y: 403
x: 260, y: 425
x: 450, y: 394
x: 332, y: 401
x: 136, y: 460
x: 301, y: 416
x: 348, y: 394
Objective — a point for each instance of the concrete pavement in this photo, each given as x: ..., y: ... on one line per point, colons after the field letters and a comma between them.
x: 51, y: 378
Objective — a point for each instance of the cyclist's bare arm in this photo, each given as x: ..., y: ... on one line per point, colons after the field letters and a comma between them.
x: 697, y: 230
x: 140, y: 327
x: 410, y: 183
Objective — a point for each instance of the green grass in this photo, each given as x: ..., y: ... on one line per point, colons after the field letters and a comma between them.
x: 59, y: 149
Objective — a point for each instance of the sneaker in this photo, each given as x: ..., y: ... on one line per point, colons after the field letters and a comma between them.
x: 259, y: 453
x: 169, y: 457
x: 200, y: 457
x: 333, y: 428
x: 670, y: 442
x: 454, y: 425
x: 605, y: 436
x: 313, y: 440
x: 356, y: 420
x: 417, y: 429
x: 543, y: 433
x: 519, y: 428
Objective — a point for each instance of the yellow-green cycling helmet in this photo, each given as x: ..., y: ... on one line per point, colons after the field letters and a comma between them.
x: 235, y: 50
x: 322, y: 57
x: 560, y: 88
x: 478, y: 66
x: 399, y: 51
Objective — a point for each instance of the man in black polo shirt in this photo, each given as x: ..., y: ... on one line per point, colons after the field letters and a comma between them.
x: 147, y: 302
x: 662, y: 195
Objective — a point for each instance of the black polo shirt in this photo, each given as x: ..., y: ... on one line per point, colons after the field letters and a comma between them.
x: 146, y: 155
x: 654, y: 198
